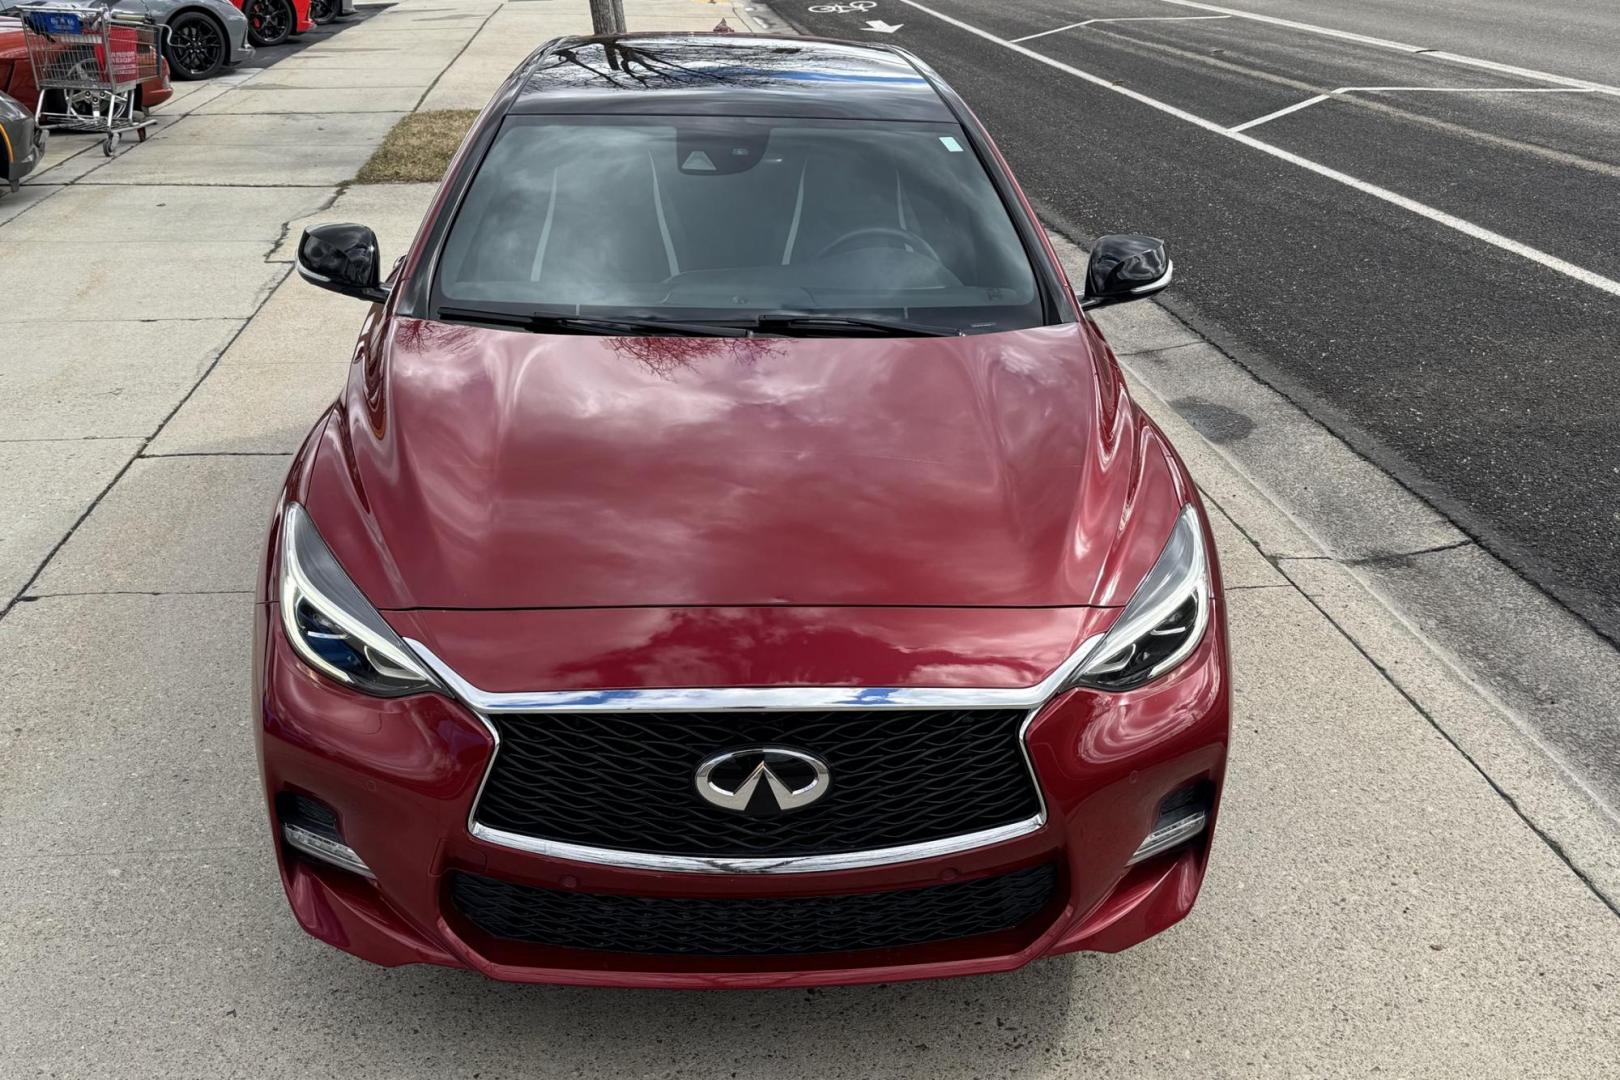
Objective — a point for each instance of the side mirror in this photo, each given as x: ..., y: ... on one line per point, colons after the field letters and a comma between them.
x: 342, y: 258
x: 1123, y: 267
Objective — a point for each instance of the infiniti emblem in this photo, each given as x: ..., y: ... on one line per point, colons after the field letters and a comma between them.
x: 762, y: 781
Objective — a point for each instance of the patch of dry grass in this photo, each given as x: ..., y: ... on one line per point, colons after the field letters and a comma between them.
x: 419, y: 148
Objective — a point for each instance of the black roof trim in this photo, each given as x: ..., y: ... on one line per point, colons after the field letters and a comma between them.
x: 726, y: 74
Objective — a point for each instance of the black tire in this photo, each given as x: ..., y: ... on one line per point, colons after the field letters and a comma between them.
x: 197, y: 48
x: 270, y: 22
x: 322, y: 12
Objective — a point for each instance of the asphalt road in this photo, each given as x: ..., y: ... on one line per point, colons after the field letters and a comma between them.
x: 1571, y: 37
x: 1478, y: 371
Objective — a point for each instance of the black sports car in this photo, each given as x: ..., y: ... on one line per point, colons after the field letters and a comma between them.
x: 22, y: 142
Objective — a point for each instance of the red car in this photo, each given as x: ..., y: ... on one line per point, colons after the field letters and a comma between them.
x: 735, y: 560
x: 17, y: 75
x: 271, y: 22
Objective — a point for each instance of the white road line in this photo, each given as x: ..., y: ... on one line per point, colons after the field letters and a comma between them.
x: 1131, y: 18
x: 1401, y: 46
x: 1473, y: 89
x: 1451, y: 221
x: 1270, y: 116
x: 1056, y: 30
x: 1298, y: 105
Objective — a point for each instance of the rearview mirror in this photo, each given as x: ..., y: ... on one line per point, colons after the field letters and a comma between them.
x: 342, y: 258
x: 1124, y: 267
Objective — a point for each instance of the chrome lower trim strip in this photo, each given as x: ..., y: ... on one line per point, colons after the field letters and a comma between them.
x: 1168, y: 836
x: 325, y: 849
x: 795, y: 864
x: 749, y: 699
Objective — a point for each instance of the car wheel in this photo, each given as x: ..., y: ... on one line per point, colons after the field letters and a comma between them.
x: 270, y: 22
x: 322, y: 12
x: 196, y: 48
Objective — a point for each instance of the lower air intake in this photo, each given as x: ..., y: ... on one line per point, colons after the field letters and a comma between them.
x: 770, y: 926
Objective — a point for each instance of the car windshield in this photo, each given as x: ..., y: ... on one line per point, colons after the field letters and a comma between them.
x: 704, y: 218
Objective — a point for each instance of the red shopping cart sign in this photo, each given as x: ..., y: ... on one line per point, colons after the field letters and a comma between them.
x: 124, y: 63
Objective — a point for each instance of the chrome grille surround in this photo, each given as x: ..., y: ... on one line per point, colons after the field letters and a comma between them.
x: 755, y: 699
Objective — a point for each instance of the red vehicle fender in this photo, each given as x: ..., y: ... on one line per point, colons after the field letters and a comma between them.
x: 301, y: 20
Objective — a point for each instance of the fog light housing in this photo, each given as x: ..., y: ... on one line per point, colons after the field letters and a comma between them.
x: 1183, y: 814
x: 311, y: 827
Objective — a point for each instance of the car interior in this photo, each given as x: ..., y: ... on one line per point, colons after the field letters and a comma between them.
x: 740, y: 213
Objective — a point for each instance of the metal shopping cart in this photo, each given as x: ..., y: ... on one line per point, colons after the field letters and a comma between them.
x: 88, y: 60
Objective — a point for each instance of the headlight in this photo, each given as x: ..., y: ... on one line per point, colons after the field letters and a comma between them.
x: 331, y: 624
x: 1165, y: 619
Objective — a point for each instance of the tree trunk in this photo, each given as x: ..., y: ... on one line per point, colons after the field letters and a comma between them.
x: 607, y: 17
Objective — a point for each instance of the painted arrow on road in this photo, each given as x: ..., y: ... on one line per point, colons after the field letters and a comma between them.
x: 881, y: 27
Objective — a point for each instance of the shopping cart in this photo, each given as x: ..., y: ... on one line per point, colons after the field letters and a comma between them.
x: 93, y: 58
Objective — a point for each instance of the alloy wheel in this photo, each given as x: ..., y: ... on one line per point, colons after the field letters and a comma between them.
x: 270, y: 22
x: 196, y: 47
x: 322, y: 12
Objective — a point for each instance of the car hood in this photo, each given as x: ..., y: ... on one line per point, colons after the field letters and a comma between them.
x: 476, y: 468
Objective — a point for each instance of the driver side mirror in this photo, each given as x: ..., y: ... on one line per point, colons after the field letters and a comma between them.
x: 1125, y: 267
x: 342, y: 258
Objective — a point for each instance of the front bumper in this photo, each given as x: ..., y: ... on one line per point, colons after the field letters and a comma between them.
x: 25, y: 146
x: 402, y: 776
x: 237, y: 47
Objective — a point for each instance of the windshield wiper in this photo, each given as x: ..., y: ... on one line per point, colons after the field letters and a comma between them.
x: 773, y: 322
x: 613, y: 325
x: 805, y: 321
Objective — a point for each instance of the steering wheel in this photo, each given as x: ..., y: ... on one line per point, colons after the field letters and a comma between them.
x: 905, y: 235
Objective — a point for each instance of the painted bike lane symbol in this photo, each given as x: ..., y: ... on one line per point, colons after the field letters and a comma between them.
x: 843, y: 9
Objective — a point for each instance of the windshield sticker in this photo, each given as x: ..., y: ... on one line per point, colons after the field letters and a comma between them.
x: 951, y: 144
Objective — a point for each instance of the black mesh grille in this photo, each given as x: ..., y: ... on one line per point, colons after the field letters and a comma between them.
x: 751, y: 927
x: 308, y: 813
x: 626, y: 780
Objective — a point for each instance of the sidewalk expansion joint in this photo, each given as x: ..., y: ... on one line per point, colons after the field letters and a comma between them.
x: 75, y: 438
x: 144, y: 456
x: 35, y: 597
x: 459, y: 53
x: 183, y: 183
x: 6, y: 608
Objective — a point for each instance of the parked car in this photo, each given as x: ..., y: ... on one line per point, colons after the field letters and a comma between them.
x: 22, y: 142
x: 271, y: 22
x: 17, y: 74
x: 204, y: 36
x: 736, y: 559
x: 324, y: 11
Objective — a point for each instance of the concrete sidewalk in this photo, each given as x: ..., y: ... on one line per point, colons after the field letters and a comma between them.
x: 1375, y: 904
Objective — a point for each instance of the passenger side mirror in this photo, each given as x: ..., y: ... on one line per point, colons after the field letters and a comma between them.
x: 1124, y: 267
x: 342, y: 258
